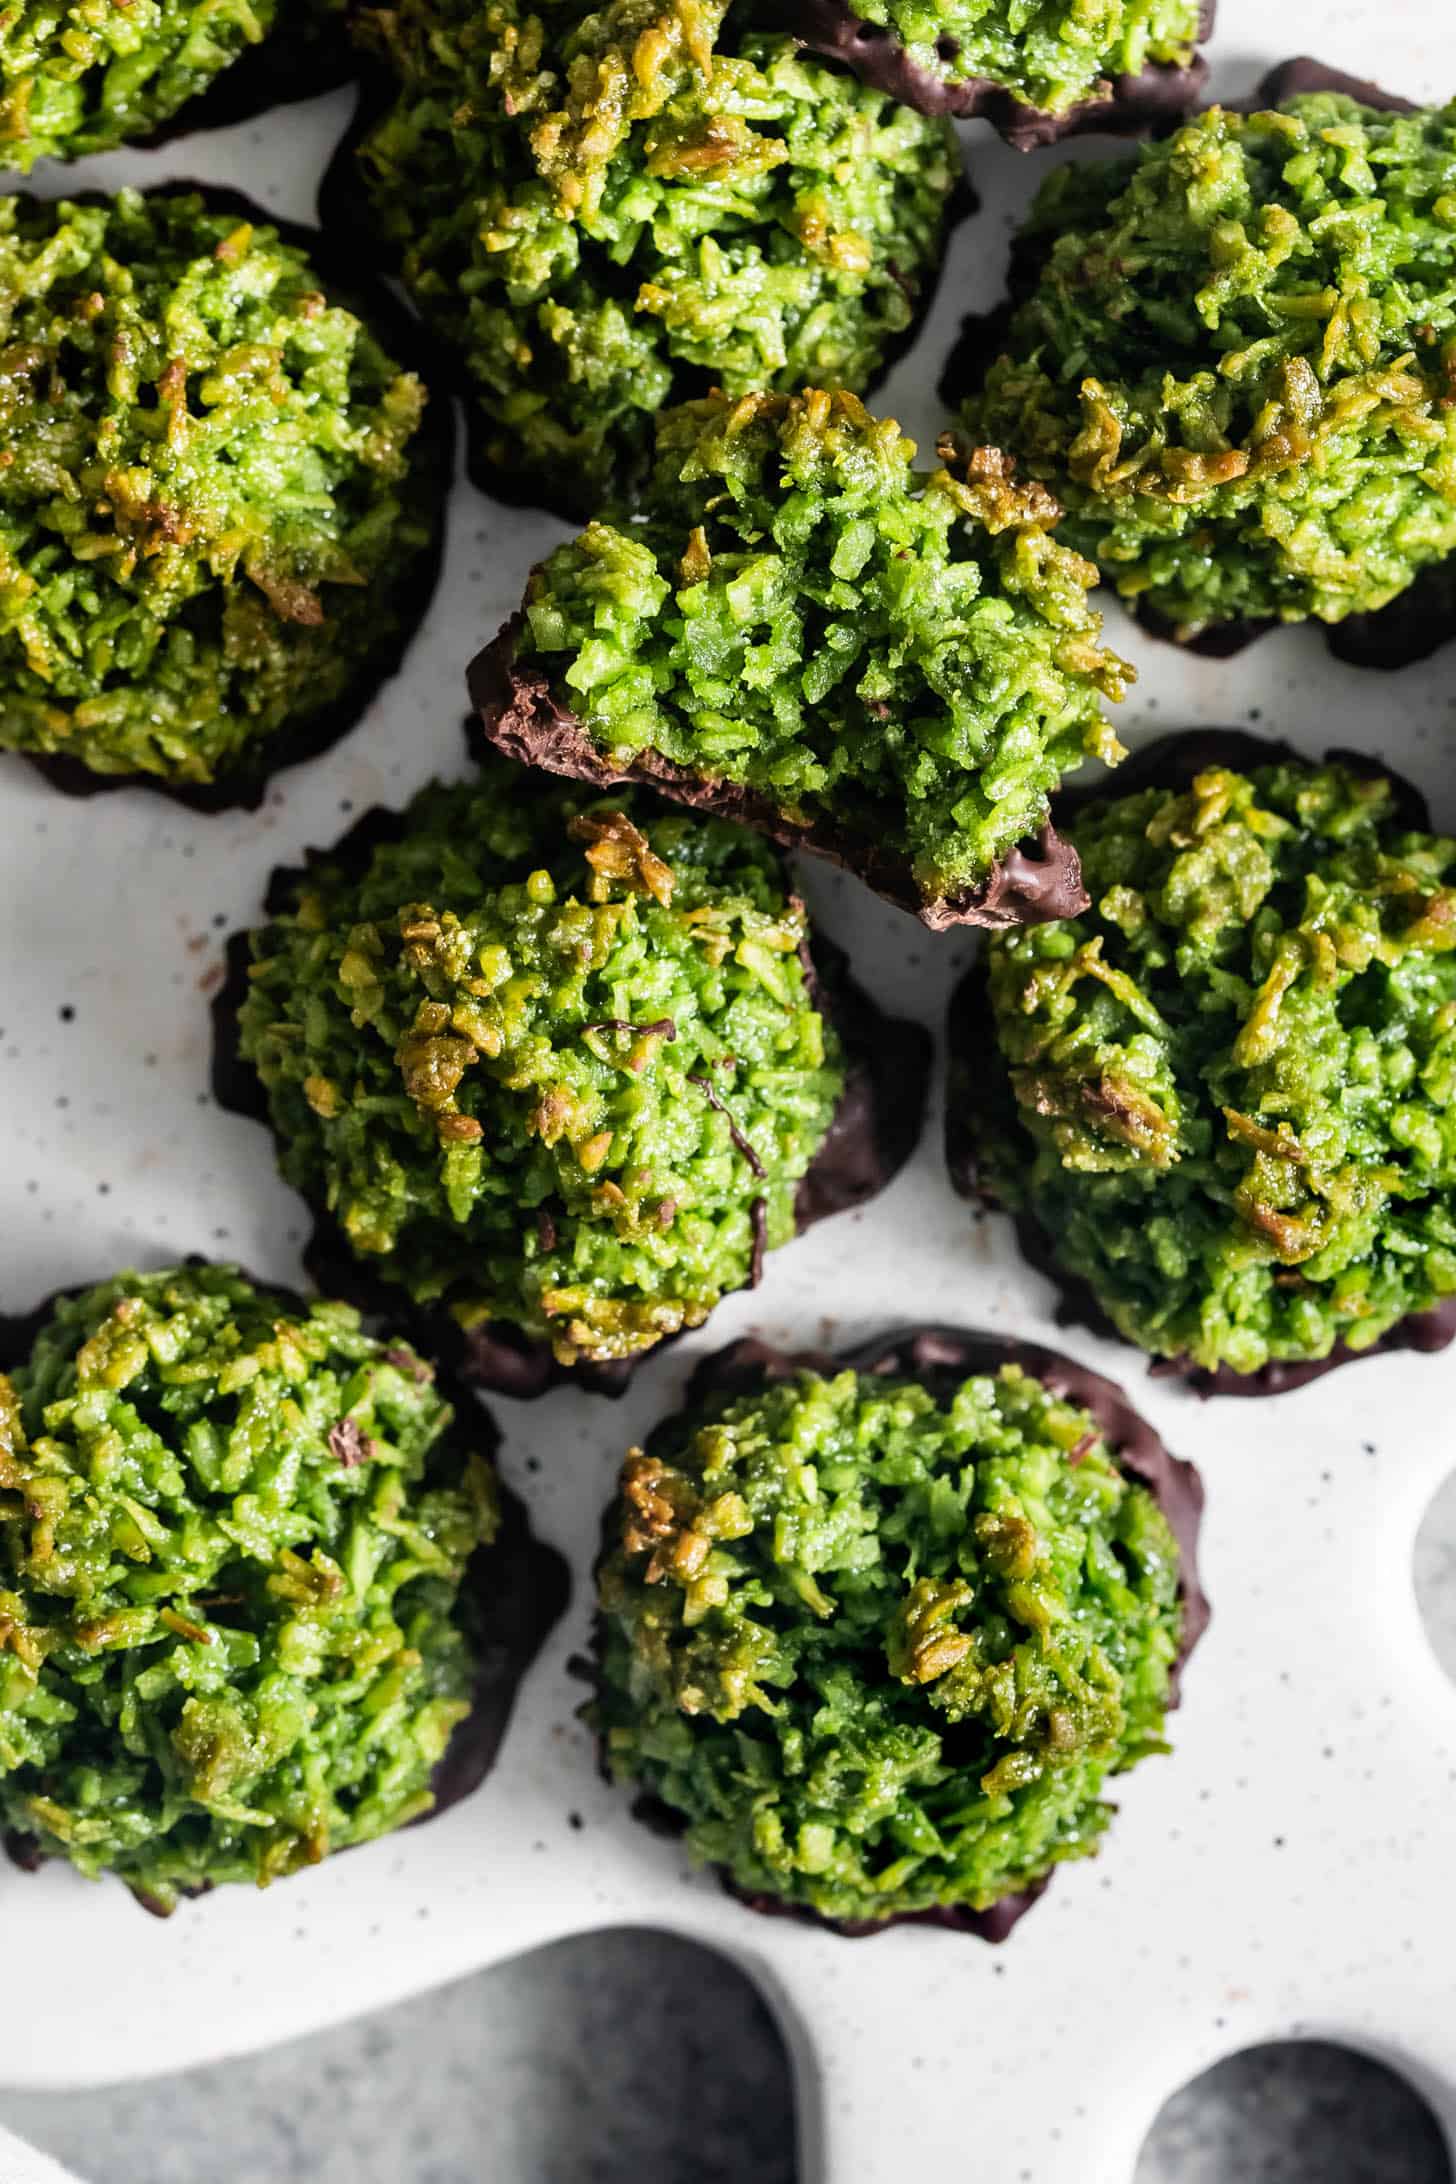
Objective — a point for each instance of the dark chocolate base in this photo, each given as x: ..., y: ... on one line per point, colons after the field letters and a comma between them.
x: 1415, y: 623
x: 939, y: 1358
x: 514, y: 1592
x: 521, y: 716
x: 979, y: 1101
x: 875, y: 1129
x: 1156, y: 96
x: 432, y: 468
x: 347, y: 217
x: 286, y: 67
x: 1411, y: 628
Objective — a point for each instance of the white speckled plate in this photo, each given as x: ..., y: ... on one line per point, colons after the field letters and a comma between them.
x: 1288, y: 1869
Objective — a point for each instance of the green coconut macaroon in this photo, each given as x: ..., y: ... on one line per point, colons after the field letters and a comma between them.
x: 889, y: 666
x: 555, y: 1069
x: 1223, y: 1100
x: 603, y: 209
x: 1039, y: 69
x: 220, y: 495
x: 1231, y: 354
x: 251, y: 1570
x: 76, y: 79
x: 874, y: 1633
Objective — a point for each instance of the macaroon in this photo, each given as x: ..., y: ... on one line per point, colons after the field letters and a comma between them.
x: 876, y: 1632
x: 263, y: 1595
x: 1229, y: 354
x: 221, y: 492
x: 1221, y: 1102
x: 558, y: 1070
x: 801, y: 630
x: 604, y: 209
x: 81, y: 79
x: 1038, y: 74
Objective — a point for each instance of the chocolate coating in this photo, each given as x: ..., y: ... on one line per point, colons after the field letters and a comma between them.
x: 279, y: 71
x: 939, y: 1358
x: 520, y: 715
x: 517, y: 1589
x: 1153, y: 97
x: 1412, y: 627
x: 976, y: 1096
x: 349, y: 282
x: 1292, y: 79
x: 875, y: 1129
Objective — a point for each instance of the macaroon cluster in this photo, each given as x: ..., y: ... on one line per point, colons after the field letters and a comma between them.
x: 234, y: 1537
x: 876, y: 1639
x: 606, y: 208
x: 1225, y: 1095
x: 219, y: 507
x: 1231, y: 356
x: 799, y: 628
x: 546, y: 1059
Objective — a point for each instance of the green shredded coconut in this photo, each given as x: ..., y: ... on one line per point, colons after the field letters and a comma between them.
x: 1234, y: 361
x: 881, y: 1651
x: 1234, y: 1078
x: 606, y: 209
x: 232, y: 1537
x: 548, y: 1057
x: 212, y: 494
x: 1050, y: 54
x: 79, y: 76
x: 909, y: 661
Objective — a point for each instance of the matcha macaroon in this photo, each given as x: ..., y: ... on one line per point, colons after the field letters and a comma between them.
x: 555, y: 1070
x: 876, y: 1631
x: 1222, y: 1101
x: 891, y: 667
x: 602, y: 209
x: 1230, y: 355
x: 262, y: 1595
x: 76, y: 79
x: 221, y: 493
x: 1039, y: 71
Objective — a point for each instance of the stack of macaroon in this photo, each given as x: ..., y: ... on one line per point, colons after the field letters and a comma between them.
x: 557, y: 1056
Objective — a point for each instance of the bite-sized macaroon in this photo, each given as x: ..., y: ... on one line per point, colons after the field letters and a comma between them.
x: 1222, y: 1101
x: 1230, y: 355
x: 221, y: 492
x: 875, y: 1631
x: 605, y: 208
x: 556, y: 1070
x: 891, y: 667
x: 262, y: 1593
x: 1037, y: 72
x: 80, y: 79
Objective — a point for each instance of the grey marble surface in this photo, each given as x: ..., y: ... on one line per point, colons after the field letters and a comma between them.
x: 538, y: 2073
x: 635, y: 2057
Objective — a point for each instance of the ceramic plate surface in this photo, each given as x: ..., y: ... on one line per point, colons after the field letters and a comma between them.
x: 1287, y: 1869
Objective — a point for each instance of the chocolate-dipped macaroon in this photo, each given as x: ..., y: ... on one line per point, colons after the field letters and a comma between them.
x: 1233, y: 453
x: 556, y: 1069
x: 1135, y: 67
x: 799, y: 630
x: 76, y: 80
x: 254, y: 516
x: 611, y: 207
x: 264, y: 1596
x: 1221, y: 1103
x: 876, y: 1630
